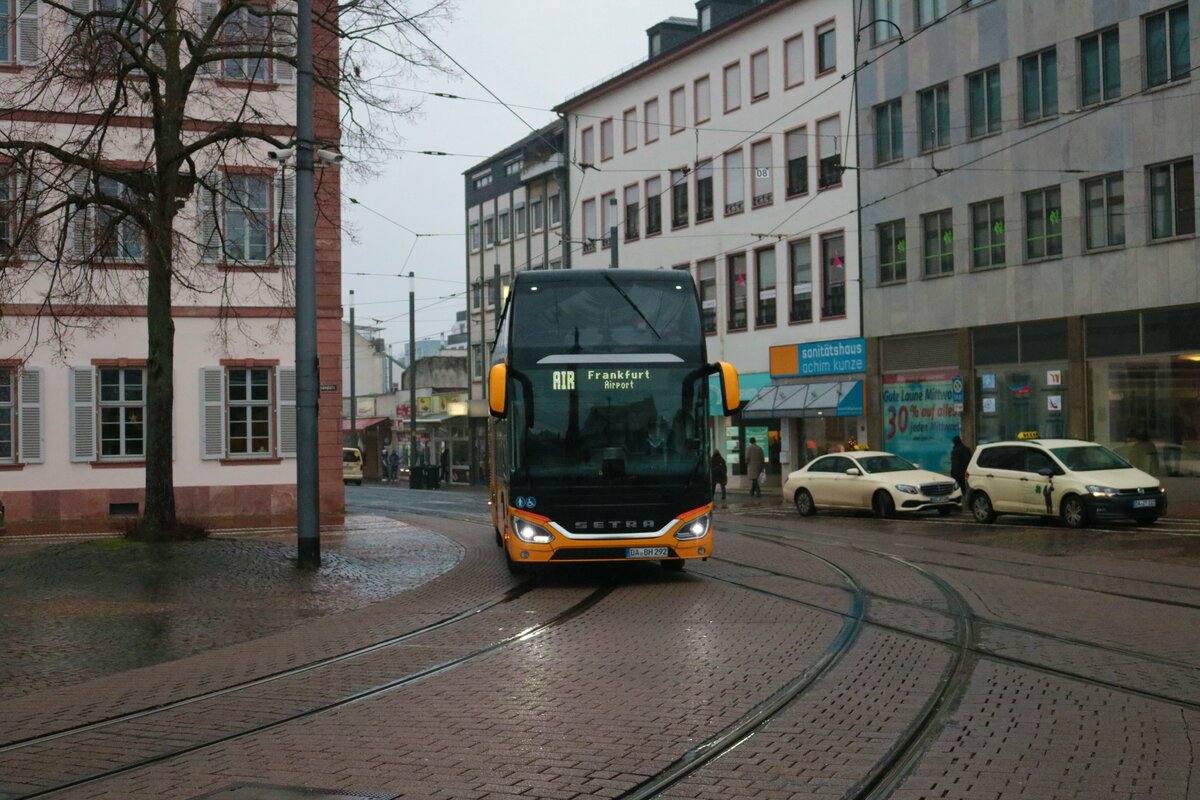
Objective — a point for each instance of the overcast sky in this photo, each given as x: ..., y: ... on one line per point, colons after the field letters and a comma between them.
x: 532, y: 53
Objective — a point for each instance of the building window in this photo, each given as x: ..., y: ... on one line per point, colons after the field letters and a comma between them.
x: 653, y: 206
x: 122, y: 412
x: 987, y: 234
x: 521, y: 215
x: 929, y: 11
x: 587, y: 146
x: 243, y: 28
x: 632, y: 213
x: 765, y: 285
x: 1039, y: 86
x: 8, y: 414
x: 1172, y: 200
x: 1100, y: 67
x: 795, y: 143
x: 589, y: 225
x: 476, y: 294
x: 793, y: 61
x: 1043, y: 224
x: 702, y: 101
x: 889, y: 132
x: 762, y: 193
x: 885, y: 12
x: 504, y: 230
x: 630, y: 129
x: 705, y: 18
x: 489, y: 231
x: 247, y: 218
x: 938, y: 230
x: 477, y: 360
x: 708, y: 294
x: 735, y: 182
x: 893, y: 252
x: 1168, y: 46
x: 481, y: 180
x: 829, y: 153
x: 826, y: 49
x: 608, y: 217
x: 555, y: 204
x: 678, y: 110
x: 760, y: 77
x: 704, y: 191
x: 537, y: 214
x: 249, y: 409
x: 934, y: 105
x: 651, y: 120
x: 1104, y: 205
x: 679, y: 198
x: 474, y: 229
x: 983, y: 102
x: 735, y: 266
x: 8, y: 217
x: 833, y: 275
x: 512, y: 168
x: 116, y: 237
x: 800, y: 274
x: 606, y: 140
x: 733, y: 86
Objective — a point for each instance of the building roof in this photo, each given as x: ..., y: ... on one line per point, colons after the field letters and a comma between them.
x: 553, y: 129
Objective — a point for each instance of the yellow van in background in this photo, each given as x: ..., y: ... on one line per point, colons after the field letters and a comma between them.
x: 352, y: 466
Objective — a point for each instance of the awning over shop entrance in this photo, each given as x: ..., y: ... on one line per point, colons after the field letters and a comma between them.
x: 361, y: 423
x: 838, y: 398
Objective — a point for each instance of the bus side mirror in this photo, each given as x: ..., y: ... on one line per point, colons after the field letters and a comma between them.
x: 731, y: 397
x: 498, y: 390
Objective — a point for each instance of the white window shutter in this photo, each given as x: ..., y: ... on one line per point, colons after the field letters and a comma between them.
x: 285, y: 217
x: 208, y: 203
x: 212, y: 412
x: 285, y: 379
x: 79, y: 226
x: 30, y: 416
x: 83, y: 413
x: 284, y: 43
x: 29, y: 40
x: 208, y: 11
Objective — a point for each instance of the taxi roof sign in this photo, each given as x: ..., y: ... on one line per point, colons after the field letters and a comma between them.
x: 1027, y: 435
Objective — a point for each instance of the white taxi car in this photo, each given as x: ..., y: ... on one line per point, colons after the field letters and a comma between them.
x: 870, y: 479
x: 1078, y: 481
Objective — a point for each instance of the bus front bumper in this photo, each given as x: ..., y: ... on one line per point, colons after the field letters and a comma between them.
x: 669, y: 546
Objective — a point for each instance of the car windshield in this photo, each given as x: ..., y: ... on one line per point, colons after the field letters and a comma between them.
x: 873, y: 464
x: 1089, y: 458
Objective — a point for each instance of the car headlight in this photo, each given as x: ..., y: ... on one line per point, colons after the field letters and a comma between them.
x: 906, y: 488
x: 1162, y: 490
x: 528, y: 531
x: 694, y: 528
x: 1101, y: 491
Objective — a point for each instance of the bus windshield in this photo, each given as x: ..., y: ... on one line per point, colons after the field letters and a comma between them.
x: 597, y: 423
x: 619, y: 314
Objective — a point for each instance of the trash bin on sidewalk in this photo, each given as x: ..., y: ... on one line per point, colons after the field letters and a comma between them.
x: 423, y: 477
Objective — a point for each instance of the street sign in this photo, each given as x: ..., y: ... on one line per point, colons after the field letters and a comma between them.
x: 329, y: 388
x: 956, y: 390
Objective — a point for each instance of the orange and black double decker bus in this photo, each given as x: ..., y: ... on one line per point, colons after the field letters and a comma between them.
x: 599, y: 442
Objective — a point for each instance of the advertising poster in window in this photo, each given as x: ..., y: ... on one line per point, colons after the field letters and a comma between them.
x: 919, y: 420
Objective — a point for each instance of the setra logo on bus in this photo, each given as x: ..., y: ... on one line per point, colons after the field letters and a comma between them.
x: 615, y: 525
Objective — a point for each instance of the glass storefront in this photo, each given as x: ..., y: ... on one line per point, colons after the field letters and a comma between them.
x: 919, y: 417
x: 1148, y: 410
x: 1013, y: 399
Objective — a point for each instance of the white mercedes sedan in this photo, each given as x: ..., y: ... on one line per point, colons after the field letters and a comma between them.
x: 881, y: 482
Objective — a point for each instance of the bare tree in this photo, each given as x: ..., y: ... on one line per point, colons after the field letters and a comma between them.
x: 118, y: 134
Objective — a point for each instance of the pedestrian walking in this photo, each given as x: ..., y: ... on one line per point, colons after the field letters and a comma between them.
x: 445, y: 463
x: 960, y: 457
x: 720, y: 472
x: 394, y: 465
x: 755, y: 467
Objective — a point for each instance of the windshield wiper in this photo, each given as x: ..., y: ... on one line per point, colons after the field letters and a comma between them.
x: 632, y: 304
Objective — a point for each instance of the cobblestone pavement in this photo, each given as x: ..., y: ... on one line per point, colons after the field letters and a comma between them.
x: 837, y: 656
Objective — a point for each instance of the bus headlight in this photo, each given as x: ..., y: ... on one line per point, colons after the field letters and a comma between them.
x: 528, y: 531
x: 694, y: 529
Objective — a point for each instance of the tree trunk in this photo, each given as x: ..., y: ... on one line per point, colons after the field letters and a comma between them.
x: 158, y: 521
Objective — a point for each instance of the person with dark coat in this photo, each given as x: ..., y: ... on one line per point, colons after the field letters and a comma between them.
x: 445, y: 464
x: 960, y: 457
x: 720, y: 473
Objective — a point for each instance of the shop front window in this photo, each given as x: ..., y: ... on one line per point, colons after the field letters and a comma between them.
x: 1147, y: 410
x: 1024, y: 398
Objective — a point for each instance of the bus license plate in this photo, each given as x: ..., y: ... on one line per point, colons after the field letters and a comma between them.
x: 647, y: 552
x: 1147, y: 503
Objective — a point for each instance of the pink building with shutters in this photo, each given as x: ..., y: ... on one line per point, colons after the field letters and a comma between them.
x: 73, y: 366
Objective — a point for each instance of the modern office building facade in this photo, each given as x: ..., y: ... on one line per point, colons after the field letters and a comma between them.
x: 1028, y: 227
